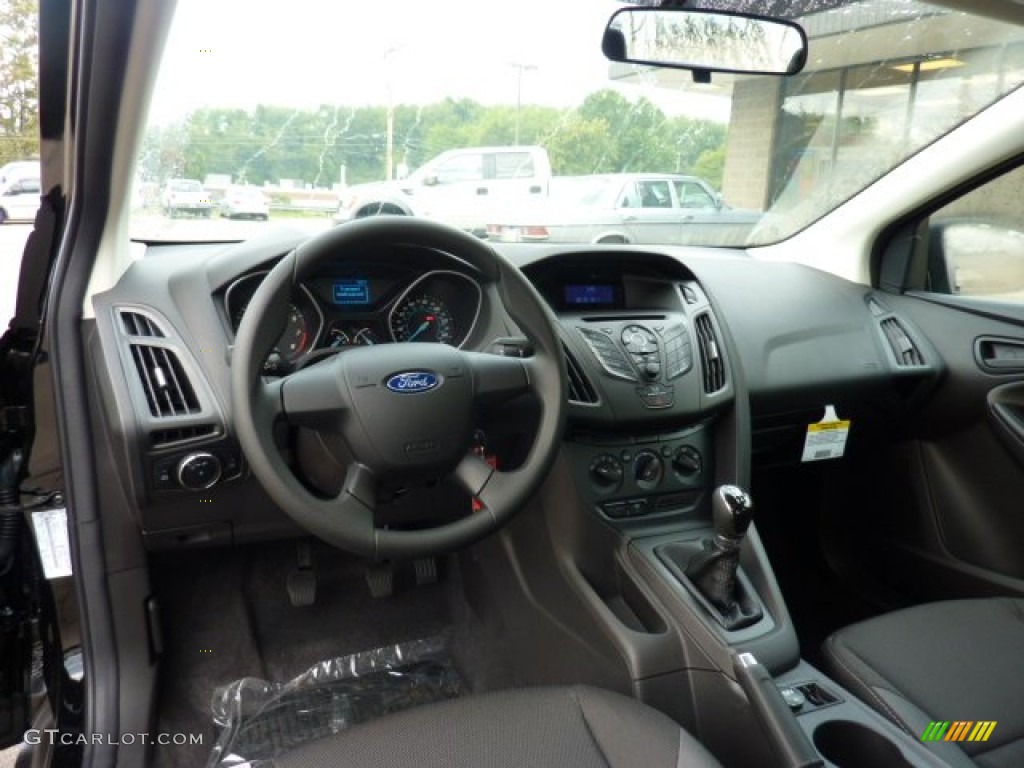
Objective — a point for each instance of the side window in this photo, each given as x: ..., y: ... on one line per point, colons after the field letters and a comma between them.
x: 629, y: 198
x: 513, y: 165
x: 655, y: 194
x: 693, y: 195
x: 30, y: 187
x: 461, y: 168
x: 976, y: 243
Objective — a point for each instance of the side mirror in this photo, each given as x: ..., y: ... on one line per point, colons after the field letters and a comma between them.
x: 705, y: 41
x: 975, y: 258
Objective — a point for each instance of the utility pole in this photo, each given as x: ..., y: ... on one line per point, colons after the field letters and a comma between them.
x: 519, y: 67
x: 389, y: 146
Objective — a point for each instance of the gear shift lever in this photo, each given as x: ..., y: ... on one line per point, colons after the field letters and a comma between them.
x: 732, y: 509
x: 713, y: 571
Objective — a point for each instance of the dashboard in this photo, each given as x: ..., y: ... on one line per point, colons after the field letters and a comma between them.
x: 682, y: 364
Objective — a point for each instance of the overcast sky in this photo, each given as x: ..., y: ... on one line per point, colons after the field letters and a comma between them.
x: 304, y: 53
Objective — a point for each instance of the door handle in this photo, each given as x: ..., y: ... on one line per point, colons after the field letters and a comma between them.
x: 481, y: 190
x: 629, y: 218
x: 1002, y: 355
x: 1006, y: 407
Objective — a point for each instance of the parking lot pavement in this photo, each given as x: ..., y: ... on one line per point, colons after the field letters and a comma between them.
x: 154, y: 226
x: 12, y: 244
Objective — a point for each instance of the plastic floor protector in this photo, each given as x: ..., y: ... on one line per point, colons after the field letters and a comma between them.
x: 260, y: 720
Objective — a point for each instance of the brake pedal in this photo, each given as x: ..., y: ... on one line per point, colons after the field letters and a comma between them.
x: 380, y: 579
x: 302, y: 581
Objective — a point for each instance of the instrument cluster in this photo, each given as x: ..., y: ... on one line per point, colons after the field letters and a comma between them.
x: 354, y: 306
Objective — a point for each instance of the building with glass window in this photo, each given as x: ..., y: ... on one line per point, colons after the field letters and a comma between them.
x: 789, y: 136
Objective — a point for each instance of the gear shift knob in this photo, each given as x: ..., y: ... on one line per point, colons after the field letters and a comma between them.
x: 732, y: 509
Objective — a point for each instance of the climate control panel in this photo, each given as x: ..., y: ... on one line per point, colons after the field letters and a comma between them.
x: 628, y: 478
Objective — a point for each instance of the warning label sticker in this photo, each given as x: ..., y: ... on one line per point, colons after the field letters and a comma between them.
x: 827, y: 438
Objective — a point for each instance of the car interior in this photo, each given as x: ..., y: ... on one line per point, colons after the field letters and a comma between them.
x: 393, y: 495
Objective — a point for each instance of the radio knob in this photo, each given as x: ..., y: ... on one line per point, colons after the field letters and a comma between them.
x: 199, y: 471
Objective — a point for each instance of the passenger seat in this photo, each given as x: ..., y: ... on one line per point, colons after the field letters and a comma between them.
x: 960, y: 660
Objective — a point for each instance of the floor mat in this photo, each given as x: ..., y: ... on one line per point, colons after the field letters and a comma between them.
x: 260, y: 720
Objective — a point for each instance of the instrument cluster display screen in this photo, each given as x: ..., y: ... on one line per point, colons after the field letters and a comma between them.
x: 351, y: 292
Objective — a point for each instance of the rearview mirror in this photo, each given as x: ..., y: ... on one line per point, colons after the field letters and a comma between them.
x: 705, y: 41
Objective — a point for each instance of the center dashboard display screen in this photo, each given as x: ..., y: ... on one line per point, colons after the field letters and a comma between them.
x: 585, y: 295
x: 352, y: 292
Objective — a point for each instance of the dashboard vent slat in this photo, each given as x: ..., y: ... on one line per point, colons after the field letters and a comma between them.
x: 712, y: 364
x: 168, y: 391
x: 906, y: 352
x: 580, y: 388
x: 138, y: 324
x: 161, y: 437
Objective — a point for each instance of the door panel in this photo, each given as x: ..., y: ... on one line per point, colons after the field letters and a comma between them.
x: 950, y: 495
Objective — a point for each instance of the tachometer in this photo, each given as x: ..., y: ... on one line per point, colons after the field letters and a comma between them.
x: 423, y: 318
x: 296, y: 339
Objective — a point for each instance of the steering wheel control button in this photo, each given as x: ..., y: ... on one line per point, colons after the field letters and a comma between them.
x: 648, y: 470
x: 656, y: 395
x: 608, y: 354
x: 199, y: 471
x: 606, y: 472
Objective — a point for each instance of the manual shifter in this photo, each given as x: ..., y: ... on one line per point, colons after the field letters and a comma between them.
x: 713, y: 571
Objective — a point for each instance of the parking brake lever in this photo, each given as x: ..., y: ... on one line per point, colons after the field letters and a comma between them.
x: 789, y: 742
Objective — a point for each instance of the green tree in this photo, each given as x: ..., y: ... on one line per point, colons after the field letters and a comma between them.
x: 19, y: 91
x: 581, y: 147
x: 710, y: 166
x: 642, y: 134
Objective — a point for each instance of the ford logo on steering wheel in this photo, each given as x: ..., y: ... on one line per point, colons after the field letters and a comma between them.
x: 413, y: 382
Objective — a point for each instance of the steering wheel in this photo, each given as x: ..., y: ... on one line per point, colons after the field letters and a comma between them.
x: 404, y: 410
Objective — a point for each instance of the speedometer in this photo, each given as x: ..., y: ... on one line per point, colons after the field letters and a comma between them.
x: 423, y: 318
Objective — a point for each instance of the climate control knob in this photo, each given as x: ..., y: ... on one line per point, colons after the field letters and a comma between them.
x: 199, y: 471
x: 648, y: 469
x: 687, y: 461
x: 606, y: 472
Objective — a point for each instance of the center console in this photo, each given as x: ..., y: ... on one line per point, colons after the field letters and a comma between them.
x: 655, y: 538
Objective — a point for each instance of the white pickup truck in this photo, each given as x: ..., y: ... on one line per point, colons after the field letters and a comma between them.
x: 459, y: 187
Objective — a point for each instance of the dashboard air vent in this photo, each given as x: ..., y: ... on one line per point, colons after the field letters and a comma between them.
x: 710, y: 356
x: 138, y: 324
x: 161, y: 437
x: 580, y: 388
x: 168, y: 391
x: 907, y: 354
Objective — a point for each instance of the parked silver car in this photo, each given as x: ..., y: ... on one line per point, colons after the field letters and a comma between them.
x: 660, y: 208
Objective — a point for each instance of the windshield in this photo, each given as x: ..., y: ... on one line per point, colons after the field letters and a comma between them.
x: 327, y: 108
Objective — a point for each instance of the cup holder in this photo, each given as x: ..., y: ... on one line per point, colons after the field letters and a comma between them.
x: 847, y: 744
